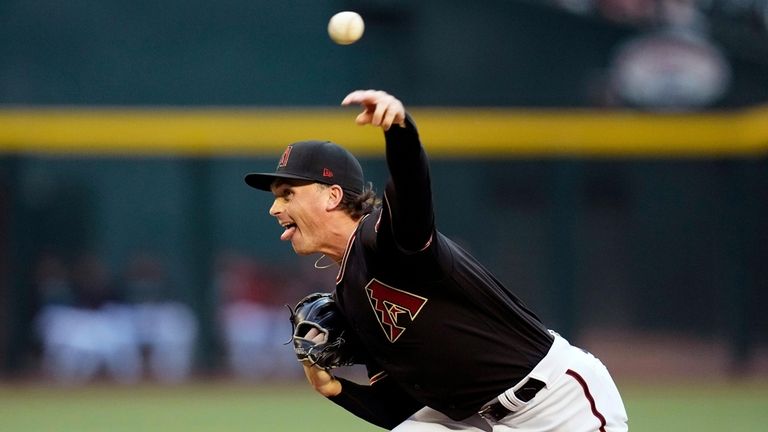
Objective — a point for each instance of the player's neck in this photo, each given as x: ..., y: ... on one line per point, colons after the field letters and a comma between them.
x: 339, y: 232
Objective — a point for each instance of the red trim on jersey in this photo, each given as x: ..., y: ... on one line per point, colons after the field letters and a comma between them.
x: 343, y: 265
x: 429, y: 242
x: 378, y: 377
x: 589, y: 397
x: 378, y: 221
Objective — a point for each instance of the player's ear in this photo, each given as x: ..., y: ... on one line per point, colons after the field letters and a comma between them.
x: 335, y: 194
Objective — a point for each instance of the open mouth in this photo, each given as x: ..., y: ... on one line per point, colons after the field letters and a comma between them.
x: 290, y: 229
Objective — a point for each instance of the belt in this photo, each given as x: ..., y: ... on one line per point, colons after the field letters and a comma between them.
x: 496, y: 411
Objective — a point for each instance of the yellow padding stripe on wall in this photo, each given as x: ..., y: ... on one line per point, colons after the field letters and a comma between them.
x: 445, y: 132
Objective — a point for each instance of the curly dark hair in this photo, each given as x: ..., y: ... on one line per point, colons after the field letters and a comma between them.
x: 358, y: 205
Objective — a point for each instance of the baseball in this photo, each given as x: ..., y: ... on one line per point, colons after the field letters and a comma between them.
x: 346, y: 27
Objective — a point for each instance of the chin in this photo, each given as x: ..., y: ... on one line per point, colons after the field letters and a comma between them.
x: 302, y: 252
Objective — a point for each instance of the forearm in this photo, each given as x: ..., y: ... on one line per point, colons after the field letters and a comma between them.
x: 383, y: 404
x: 322, y: 381
x: 405, y: 155
x: 408, y: 193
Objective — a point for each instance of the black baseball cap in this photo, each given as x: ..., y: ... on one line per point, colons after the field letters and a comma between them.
x: 317, y: 161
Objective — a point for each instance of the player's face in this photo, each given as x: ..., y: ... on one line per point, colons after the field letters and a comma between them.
x: 299, y: 208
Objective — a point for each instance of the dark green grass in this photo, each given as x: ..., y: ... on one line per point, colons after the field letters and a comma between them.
x: 235, y: 408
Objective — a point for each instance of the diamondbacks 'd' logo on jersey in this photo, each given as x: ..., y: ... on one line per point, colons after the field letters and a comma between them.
x: 394, y: 308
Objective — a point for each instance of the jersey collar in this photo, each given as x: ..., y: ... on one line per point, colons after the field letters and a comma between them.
x: 351, y: 239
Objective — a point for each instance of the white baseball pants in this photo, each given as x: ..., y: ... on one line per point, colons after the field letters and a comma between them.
x: 579, y: 396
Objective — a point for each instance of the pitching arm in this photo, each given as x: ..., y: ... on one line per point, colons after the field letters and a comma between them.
x: 408, y: 196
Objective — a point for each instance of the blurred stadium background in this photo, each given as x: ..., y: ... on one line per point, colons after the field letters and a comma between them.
x: 606, y: 158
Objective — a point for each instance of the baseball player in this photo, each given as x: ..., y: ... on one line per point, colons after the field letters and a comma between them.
x: 450, y: 346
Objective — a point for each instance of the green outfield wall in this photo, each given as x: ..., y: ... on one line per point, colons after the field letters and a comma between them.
x: 258, y: 52
x: 126, y: 127
x: 598, y: 219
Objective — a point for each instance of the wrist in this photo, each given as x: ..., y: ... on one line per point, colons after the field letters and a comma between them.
x: 330, y: 389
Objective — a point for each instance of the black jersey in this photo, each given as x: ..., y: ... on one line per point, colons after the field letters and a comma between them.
x: 440, y: 327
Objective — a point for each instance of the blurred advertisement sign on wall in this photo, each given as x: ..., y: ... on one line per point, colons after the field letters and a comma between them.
x: 670, y: 70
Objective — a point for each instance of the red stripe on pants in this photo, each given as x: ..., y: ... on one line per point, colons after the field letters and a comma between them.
x: 589, y: 397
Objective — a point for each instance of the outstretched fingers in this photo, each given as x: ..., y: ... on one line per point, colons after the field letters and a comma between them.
x: 379, y: 108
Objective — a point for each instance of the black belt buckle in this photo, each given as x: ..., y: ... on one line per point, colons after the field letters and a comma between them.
x: 496, y: 411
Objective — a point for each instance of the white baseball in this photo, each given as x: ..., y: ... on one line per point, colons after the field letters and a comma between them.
x: 346, y: 27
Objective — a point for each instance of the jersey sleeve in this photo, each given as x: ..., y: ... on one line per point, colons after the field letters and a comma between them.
x: 382, y: 403
x: 408, y: 196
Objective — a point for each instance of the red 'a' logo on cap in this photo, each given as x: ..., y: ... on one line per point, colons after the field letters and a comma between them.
x: 284, y: 158
x: 327, y: 172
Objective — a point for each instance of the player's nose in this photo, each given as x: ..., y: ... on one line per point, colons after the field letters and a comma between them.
x: 276, y: 208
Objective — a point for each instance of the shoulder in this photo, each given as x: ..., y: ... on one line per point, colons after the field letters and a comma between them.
x: 369, y: 227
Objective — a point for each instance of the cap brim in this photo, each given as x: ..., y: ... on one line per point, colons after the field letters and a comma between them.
x: 263, y: 181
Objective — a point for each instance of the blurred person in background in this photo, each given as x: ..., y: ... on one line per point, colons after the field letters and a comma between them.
x: 252, y: 320
x: 166, y: 328
x: 84, y: 325
x: 56, y: 318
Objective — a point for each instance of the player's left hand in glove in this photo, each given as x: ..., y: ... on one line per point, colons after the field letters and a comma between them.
x: 320, y: 333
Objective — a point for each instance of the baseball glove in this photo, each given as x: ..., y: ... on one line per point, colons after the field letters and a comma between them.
x: 320, y: 333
